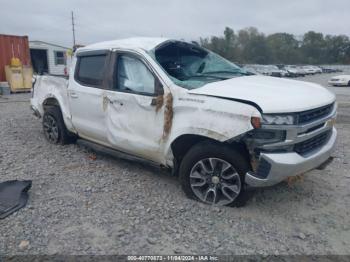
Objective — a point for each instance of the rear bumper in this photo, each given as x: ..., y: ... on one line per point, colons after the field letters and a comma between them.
x: 279, y: 166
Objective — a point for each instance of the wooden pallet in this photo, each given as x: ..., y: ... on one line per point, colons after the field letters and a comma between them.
x: 22, y: 90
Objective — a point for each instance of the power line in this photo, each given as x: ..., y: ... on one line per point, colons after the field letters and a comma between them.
x: 73, y: 29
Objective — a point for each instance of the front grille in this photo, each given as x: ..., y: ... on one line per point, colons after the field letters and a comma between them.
x: 314, y: 114
x: 312, y: 143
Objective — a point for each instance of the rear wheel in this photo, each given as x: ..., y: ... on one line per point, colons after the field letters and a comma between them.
x: 214, y: 174
x: 50, y: 127
x: 54, y: 128
x: 349, y: 83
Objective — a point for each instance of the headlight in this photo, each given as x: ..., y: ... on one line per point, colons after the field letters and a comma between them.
x: 262, y: 136
x: 277, y: 119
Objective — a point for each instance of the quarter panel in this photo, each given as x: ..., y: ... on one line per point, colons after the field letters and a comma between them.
x: 52, y: 87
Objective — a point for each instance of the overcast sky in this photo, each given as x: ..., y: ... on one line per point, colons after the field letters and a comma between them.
x: 49, y: 20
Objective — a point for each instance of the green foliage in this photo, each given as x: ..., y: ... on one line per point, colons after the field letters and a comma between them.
x: 251, y: 46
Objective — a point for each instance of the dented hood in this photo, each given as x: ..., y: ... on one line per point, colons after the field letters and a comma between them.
x: 271, y: 94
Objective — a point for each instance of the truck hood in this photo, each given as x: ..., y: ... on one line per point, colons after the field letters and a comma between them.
x: 271, y: 94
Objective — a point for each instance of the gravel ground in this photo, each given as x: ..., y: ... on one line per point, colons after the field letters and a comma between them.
x: 82, y: 205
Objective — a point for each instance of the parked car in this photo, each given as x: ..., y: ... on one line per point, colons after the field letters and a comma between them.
x: 250, y: 69
x: 309, y: 70
x: 301, y: 70
x: 291, y: 71
x: 295, y: 70
x: 327, y: 70
x: 330, y: 70
x: 312, y: 70
x: 268, y: 70
x: 275, y: 71
x: 187, y: 109
x: 317, y: 69
x: 285, y: 72
x: 258, y: 69
x: 341, y: 80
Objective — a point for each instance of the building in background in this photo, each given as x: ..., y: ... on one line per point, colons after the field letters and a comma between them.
x: 49, y: 58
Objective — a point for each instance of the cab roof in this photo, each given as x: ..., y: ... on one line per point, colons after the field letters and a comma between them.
x: 145, y: 43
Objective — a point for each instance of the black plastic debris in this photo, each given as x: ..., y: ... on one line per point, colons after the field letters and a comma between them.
x: 13, y: 196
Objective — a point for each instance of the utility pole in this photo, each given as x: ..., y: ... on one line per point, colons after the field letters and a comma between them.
x: 73, y: 29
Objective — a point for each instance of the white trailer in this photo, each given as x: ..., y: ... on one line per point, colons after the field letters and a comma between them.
x: 49, y: 58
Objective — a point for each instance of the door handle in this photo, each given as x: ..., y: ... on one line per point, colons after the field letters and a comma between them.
x: 73, y: 95
x: 114, y: 101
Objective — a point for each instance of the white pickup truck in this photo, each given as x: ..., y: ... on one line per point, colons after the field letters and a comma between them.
x: 185, y: 108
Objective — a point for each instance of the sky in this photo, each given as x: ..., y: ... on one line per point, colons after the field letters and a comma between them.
x: 50, y: 20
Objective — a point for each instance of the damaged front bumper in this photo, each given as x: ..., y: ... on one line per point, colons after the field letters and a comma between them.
x: 276, y: 167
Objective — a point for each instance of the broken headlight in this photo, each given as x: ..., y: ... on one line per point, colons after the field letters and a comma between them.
x: 261, y: 136
x: 277, y: 119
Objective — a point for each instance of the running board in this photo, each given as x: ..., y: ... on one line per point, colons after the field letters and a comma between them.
x: 104, y: 150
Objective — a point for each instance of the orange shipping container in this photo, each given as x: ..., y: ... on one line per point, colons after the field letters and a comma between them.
x: 13, y: 46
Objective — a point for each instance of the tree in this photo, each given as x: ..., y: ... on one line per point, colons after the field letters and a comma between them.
x: 337, y: 49
x: 284, y: 48
x: 251, y: 46
x: 224, y: 46
x: 313, y: 48
x: 229, y: 43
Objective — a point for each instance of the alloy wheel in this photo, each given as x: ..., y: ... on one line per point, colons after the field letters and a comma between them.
x: 50, y: 128
x: 215, y: 181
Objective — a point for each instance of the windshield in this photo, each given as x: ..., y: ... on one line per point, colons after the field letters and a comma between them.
x: 191, y: 66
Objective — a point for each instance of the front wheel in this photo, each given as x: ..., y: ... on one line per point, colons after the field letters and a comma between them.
x: 214, y: 174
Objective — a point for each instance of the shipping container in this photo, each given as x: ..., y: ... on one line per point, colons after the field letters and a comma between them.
x: 13, y: 46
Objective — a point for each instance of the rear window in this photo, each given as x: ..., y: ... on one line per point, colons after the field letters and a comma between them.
x: 90, y: 70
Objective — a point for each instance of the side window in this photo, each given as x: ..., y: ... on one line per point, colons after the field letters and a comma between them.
x: 90, y: 70
x: 59, y: 58
x: 134, y: 76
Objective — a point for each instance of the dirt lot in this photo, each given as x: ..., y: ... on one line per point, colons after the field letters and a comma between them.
x: 82, y: 205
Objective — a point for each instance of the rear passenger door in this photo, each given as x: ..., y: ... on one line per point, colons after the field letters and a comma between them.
x: 135, y: 112
x: 86, y: 91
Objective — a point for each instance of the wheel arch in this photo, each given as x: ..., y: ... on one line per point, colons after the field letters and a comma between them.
x: 183, y: 143
x: 51, y: 101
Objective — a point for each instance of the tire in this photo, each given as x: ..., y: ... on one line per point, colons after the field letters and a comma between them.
x: 210, y: 154
x: 349, y: 83
x: 55, y: 130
